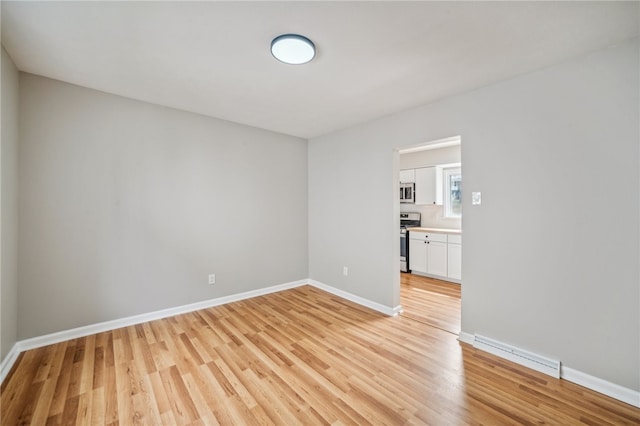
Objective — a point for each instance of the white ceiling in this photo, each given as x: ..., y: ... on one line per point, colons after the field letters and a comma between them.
x: 374, y: 58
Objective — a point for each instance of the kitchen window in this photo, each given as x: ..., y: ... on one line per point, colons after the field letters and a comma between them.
x: 452, y: 192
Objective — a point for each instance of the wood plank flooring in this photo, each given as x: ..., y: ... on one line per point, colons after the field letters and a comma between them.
x: 300, y: 356
x: 431, y: 301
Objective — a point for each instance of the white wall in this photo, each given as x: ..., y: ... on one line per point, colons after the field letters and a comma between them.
x: 432, y: 216
x: 126, y: 207
x: 431, y: 157
x: 550, y: 258
x: 9, y: 206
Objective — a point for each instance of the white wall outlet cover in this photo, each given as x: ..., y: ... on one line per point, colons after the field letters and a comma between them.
x: 212, y: 278
x: 476, y: 198
x: 345, y: 271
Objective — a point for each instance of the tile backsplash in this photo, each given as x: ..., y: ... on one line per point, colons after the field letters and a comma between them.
x: 432, y: 216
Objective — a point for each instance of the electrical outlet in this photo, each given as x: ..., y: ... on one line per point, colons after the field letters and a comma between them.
x: 212, y: 278
x: 345, y: 271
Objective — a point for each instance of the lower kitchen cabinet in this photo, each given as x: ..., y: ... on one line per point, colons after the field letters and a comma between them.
x: 428, y: 253
x: 437, y: 258
x: 454, y: 259
x: 436, y: 254
x: 417, y: 255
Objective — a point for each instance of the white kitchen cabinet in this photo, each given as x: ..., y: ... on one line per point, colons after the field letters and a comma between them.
x: 428, y: 185
x: 437, y: 258
x: 454, y: 257
x: 436, y: 253
x: 428, y: 253
x: 417, y: 255
x: 407, y: 176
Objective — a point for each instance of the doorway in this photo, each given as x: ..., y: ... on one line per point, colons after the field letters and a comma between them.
x: 430, y: 292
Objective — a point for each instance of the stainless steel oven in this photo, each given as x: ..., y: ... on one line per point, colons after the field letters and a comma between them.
x: 404, y: 251
x: 407, y: 220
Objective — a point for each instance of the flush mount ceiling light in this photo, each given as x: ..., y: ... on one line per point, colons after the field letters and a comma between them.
x: 293, y: 49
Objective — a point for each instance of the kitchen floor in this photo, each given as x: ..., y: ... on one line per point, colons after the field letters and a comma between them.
x: 431, y: 301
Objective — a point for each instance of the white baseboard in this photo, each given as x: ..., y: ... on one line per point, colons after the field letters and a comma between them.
x: 8, y: 361
x: 74, y: 333
x: 613, y: 390
x: 392, y: 312
x: 466, y: 337
x: 61, y: 336
x: 596, y: 384
x: 437, y: 277
x: 618, y: 392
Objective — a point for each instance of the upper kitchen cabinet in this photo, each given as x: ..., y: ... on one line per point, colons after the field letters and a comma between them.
x: 428, y: 185
x: 407, y: 176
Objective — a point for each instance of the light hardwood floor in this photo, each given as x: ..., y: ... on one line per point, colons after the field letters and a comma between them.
x: 431, y: 301
x: 301, y: 356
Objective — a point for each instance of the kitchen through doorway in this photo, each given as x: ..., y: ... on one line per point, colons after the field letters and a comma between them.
x: 430, y: 206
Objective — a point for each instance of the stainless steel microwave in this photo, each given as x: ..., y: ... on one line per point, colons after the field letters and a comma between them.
x: 407, y: 192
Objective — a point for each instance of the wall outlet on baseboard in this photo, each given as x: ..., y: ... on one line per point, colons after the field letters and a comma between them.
x: 345, y: 271
x: 212, y: 278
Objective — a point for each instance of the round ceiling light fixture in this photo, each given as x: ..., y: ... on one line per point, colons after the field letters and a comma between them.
x: 293, y: 49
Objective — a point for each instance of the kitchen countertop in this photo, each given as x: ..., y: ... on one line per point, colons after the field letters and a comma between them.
x: 439, y: 230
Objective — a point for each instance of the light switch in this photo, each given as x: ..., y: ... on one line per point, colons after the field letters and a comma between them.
x: 476, y: 198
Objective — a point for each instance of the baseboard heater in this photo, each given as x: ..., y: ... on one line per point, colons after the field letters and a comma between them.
x: 519, y: 356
